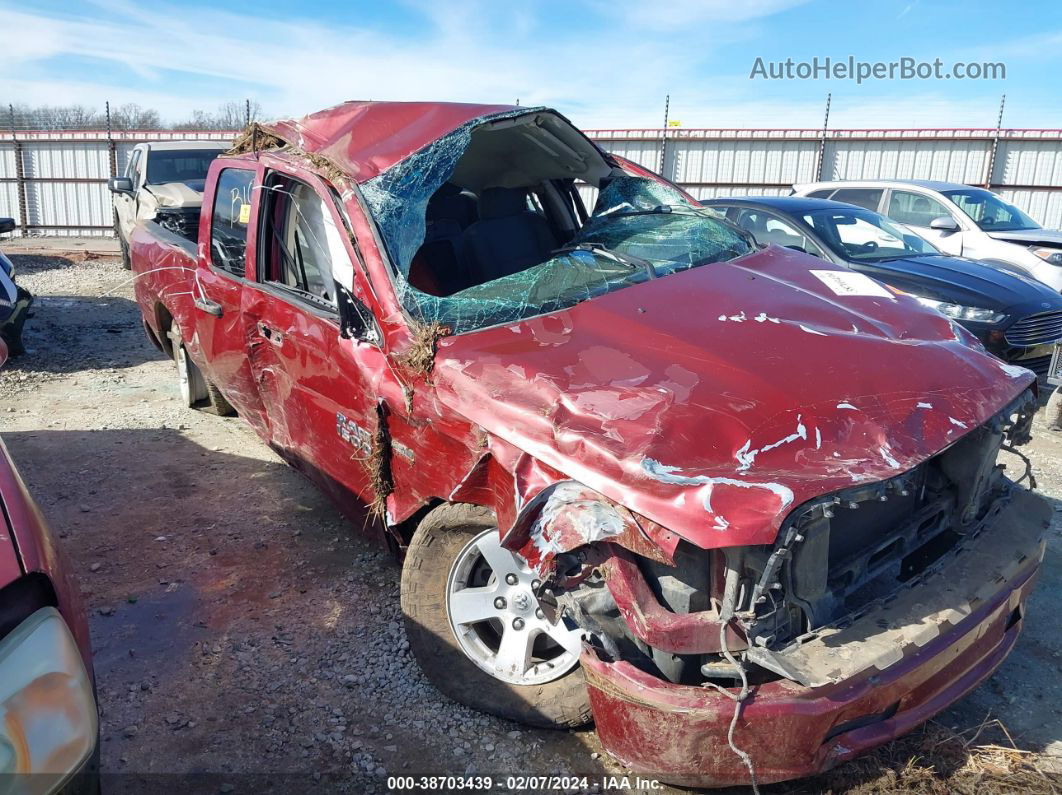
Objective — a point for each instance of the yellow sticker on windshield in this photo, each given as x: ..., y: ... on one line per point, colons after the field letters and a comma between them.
x: 245, y: 213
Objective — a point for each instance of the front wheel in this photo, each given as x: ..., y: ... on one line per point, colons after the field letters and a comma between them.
x: 475, y: 626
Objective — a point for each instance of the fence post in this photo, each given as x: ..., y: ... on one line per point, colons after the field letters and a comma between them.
x: 112, y: 150
x: 663, y: 135
x: 20, y: 174
x: 822, y: 141
x: 995, y: 145
x: 247, y: 112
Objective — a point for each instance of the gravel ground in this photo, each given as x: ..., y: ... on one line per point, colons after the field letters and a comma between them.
x: 242, y: 626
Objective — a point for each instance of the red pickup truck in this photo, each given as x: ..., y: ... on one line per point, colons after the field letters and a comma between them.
x: 739, y: 506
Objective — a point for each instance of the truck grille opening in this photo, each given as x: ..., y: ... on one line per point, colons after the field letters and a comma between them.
x: 839, y: 555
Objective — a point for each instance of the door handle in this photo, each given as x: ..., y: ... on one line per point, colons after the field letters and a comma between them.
x: 204, y: 304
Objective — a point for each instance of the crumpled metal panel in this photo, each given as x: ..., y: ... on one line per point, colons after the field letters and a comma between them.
x: 714, y: 401
x: 364, y: 139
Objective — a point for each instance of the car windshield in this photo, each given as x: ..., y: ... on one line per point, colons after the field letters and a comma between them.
x: 640, y: 230
x: 990, y: 212
x: 865, y: 236
x: 179, y: 165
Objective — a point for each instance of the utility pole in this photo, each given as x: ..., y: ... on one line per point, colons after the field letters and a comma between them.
x: 995, y: 144
x: 663, y: 134
x: 822, y: 140
x: 247, y: 112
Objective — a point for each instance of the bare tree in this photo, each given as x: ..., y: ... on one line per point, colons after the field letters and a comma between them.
x: 131, y: 116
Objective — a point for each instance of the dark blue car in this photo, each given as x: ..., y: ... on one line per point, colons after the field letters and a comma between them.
x: 1016, y: 317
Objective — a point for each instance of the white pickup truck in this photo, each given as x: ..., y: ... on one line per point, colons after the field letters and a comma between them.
x: 163, y: 182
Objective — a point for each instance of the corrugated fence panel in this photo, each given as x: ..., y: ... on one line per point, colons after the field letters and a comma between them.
x: 946, y: 160
x: 65, y: 171
x: 1029, y: 163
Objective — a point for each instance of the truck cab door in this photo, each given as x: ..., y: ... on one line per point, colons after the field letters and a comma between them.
x: 320, y: 391
x: 225, y: 258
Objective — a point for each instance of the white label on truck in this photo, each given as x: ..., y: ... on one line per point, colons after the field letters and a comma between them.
x: 849, y: 283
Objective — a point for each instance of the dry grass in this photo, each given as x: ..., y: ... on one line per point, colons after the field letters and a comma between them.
x: 254, y: 138
x: 377, y: 465
x: 420, y: 358
x: 981, y: 760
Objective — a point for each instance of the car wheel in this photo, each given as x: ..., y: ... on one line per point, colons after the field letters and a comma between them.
x: 190, y: 379
x: 127, y: 262
x: 474, y: 624
x: 1053, y: 410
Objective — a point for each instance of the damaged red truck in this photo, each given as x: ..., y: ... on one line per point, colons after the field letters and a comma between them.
x: 740, y: 507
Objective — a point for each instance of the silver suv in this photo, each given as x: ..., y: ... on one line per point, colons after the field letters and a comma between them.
x: 958, y: 219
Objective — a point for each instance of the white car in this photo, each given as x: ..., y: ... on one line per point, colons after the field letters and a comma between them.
x: 958, y: 219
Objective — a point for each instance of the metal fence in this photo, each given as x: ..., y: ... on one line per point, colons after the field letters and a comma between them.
x: 54, y: 182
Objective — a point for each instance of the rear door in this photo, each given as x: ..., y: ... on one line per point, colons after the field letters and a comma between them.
x: 317, y: 389
x: 225, y: 257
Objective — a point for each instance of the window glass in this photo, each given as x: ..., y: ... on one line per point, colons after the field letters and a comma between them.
x: 767, y: 229
x: 231, y: 217
x: 822, y: 193
x: 869, y: 198
x: 862, y: 236
x: 914, y: 209
x: 989, y: 211
x: 133, y: 169
x: 180, y: 165
x: 302, y: 241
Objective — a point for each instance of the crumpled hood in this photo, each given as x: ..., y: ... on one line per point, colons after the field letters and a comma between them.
x: 715, y: 400
x: 1030, y: 236
x: 178, y: 194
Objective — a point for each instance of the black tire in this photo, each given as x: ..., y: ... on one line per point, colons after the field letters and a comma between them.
x: 196, y: 390
x: 439, y: 539
x: 127, y: 261
x: 216, y: 401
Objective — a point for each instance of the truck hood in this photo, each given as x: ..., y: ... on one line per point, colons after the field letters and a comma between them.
x: 715, y: 400
x: 1051, y: 237
x: 178, y: 194
x: 965, y: 282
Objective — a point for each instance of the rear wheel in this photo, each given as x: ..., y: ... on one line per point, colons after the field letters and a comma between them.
x: 476, y: 629
x: 127, y: 262
x: 196, y: 390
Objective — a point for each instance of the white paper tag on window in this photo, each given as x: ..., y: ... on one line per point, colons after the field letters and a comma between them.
x: 851, y: 283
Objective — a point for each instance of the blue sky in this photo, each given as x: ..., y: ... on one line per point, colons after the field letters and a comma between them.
x: 604, y: 63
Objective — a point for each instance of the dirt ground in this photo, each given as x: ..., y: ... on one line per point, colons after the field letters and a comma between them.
x: 247, y: 638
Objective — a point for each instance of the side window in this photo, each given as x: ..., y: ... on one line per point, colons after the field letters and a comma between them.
x: 869, y: 198
x: 231, y: 217
x: 821, y: 193
x: 716, y: 210
x: 132, y: 170
x: 300, y: 241
x: 768, y: 229
x: 914, y: 209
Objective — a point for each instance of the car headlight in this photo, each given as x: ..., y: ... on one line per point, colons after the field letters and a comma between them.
x: 48, y: 721
x: 1052, y: 255
x: 960, y: 312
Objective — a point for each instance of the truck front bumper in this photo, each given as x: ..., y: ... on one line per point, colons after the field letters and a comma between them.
x: 888, y: 671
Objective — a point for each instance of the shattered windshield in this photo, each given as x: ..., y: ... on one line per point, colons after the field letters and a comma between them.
x: 640, y: 230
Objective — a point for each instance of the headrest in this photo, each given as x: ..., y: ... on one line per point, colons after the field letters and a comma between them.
x: 502, y: 202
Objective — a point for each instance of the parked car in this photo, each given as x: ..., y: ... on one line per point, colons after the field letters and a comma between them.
x: 621, y: 449
x: 163, y: 181
x: 958, y: 219
x: 49, y: 728
x: 1016, y: 317
x: 15, y: 301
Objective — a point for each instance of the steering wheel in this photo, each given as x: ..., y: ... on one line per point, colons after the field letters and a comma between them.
x: 869, y: 247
